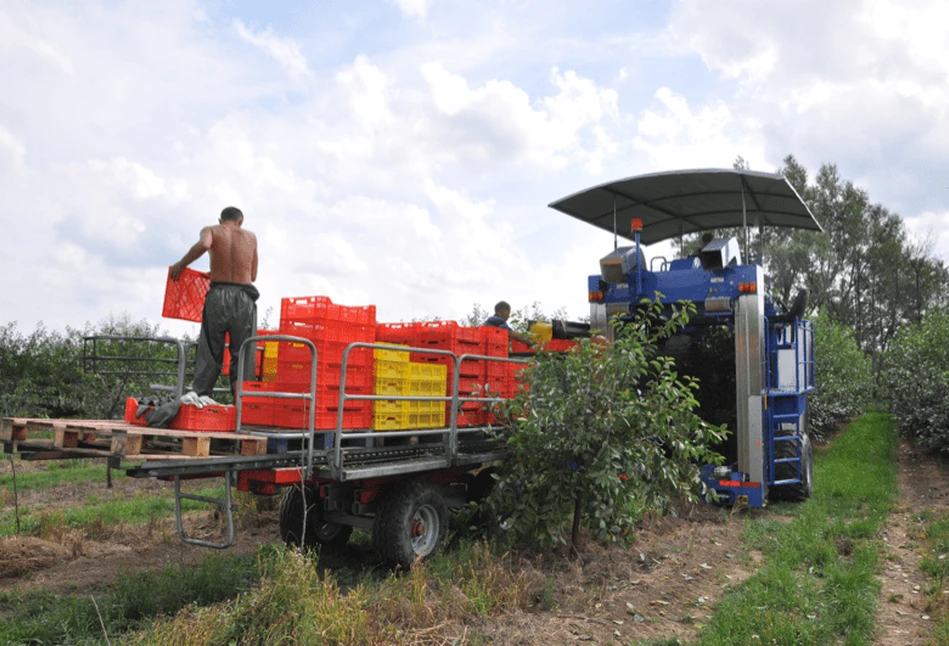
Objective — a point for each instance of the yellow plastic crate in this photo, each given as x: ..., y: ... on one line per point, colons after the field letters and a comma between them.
x: 390, y: 421
x: 433, y: 419
x: 389, y: 370
x: 397, y: 356
x: 426, y: 407
x: 428, y: 371
x: 390, y: 387
x: 390, y: 407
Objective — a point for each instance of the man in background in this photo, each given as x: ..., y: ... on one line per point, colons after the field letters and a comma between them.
x: 502, y: 312
x: 231, y: 304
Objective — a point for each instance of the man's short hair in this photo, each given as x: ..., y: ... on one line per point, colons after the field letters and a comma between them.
x: 502, y: 306
x: 232, y: 213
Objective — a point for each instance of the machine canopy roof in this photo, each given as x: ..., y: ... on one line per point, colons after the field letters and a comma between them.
x: 681, y: 202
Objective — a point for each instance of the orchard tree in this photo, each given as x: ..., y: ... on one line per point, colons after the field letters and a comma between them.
x: 603, y: 433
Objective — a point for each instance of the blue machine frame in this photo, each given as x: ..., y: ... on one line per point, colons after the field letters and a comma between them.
x: 774, y: 350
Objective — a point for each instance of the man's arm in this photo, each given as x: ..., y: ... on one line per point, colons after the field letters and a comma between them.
x: 253, y: 265
x: 197, y: 250
x: 526, y: 340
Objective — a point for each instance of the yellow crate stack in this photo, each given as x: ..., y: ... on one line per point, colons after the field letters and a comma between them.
x: 391, y: 374
x: 427, y: 379
x: 270, y: 361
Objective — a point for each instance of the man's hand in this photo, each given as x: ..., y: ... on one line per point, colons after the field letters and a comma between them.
x: 176, y: 270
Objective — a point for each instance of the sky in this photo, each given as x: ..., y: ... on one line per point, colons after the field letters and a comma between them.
x: 402, y: 153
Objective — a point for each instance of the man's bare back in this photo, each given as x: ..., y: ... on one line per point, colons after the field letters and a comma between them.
x: 233, y: 252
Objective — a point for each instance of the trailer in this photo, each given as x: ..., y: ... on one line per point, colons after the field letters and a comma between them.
x: 401, y: 484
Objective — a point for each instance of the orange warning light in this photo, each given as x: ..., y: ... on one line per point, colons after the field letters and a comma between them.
x: 636, y: 225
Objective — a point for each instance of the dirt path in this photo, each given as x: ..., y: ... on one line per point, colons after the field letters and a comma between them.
x: 903, y: 617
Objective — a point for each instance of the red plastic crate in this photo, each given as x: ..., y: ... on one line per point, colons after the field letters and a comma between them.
x: 448, y: 334
x: 294, y: 415
x: 520, y: 348
x: 208, y: 418
x: 321, y: 308
x: 403, y: 333
x: 305, y: 308
x: 561, y: 345
x: 184, y: 298
x: 131, y: 407
x: 257, y: 413
x: 494, y: 340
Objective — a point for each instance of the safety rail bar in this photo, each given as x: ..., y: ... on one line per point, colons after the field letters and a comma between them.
x: 239, y: 393
x: 452, y: 430
x: 91, y: 363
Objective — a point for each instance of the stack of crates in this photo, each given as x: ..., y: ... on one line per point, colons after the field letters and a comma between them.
x: 427, y: 380
x: 472, y: 373
x: 390, y: 377
x: 394, y: 374
x: 330, y: 327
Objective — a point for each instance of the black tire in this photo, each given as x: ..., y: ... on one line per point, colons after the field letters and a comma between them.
x: 411, y: 523
x: 331, y: 536
x: 805, y: 488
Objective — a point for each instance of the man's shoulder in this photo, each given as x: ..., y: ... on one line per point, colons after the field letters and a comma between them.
x: 497, y: 321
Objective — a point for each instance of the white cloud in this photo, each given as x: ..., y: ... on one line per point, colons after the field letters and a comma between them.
x: 283, y: 50
x: 674, y: 135
x: 22, y: 34
x: 414, y: 8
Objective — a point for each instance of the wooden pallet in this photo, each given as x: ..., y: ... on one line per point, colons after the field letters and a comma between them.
x: 111, y: 438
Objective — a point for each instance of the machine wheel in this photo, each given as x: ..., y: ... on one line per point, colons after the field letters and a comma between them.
x: 803, y: 490
x: 331, y: 536
x: 411, y: 523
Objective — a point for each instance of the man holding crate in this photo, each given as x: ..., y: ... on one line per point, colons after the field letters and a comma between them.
x: 231, y: 304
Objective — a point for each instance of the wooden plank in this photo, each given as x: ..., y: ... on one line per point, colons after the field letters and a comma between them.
x: 196, y: 446
x: 256, y: 446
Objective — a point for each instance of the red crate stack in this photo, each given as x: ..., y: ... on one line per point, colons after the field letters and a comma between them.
x: 184, y: 298
x: 494, y: 340
x: 455, y: 338
x: 331, y: 328
x: 257, y: 410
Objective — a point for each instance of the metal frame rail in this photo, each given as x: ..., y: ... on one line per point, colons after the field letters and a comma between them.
x: 91, y: 363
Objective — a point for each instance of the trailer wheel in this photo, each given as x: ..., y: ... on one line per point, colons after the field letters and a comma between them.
x: 803, y: 490
x: 411, y: 523
x: 330, y: 536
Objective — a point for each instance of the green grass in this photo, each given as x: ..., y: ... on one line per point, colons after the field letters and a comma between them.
x: 130, y: 603
x: 96, y: 514
x: 57, y: 475
x: 817, y: 584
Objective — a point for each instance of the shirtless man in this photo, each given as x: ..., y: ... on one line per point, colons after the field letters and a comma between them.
x: 231, y: 303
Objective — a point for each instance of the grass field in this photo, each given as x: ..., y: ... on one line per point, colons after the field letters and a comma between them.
x: 815, y: 583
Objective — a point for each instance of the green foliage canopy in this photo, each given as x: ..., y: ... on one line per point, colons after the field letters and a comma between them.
x: 916, y: 380
x: 603, y: 432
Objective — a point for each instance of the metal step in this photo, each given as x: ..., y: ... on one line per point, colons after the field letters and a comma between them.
x: 786, y: 438
x: 787, y: 460
x: 778, y: 483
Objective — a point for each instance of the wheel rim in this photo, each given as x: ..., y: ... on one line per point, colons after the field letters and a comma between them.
x: 424, y: 530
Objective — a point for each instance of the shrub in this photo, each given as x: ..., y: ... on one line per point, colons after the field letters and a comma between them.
x: 604, y: 432
x: 842, y: 375
x: 916, y: 380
